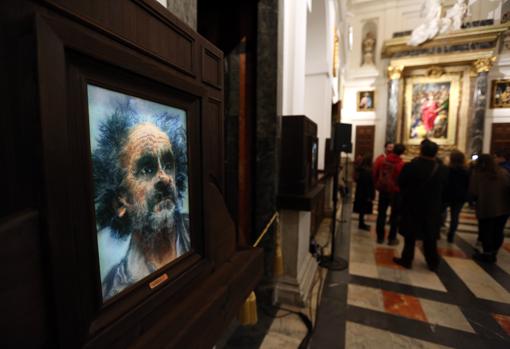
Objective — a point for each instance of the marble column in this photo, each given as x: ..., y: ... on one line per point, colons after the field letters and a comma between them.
x: 475, y: 140
x: 186, y: 10
x: 267, y: 127
x: 394, y: 75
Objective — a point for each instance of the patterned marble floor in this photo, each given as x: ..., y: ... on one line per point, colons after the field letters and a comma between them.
x: 377, y: 304
x: 465, y: 304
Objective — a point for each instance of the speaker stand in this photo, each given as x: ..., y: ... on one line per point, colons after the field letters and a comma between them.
x: 333, y: 262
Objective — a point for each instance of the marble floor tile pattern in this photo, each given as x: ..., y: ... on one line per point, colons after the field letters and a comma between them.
x: 361, y: 336
x: 478, y: 281
x: 376, y: 261
x: 503, y: 260
x: 463, y: 305
x: 431, y: 312
x: 503, y: 321
x: 463, y: 299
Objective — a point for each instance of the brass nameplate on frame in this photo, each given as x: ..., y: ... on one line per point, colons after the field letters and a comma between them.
x: 158, y: 281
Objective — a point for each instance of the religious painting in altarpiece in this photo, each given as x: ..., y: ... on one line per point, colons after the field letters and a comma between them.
x: 431, y: 109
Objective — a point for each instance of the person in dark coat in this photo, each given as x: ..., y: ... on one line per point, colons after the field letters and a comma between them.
x: 365, y: 192
x: 490, y: 187
x: 502, y: 159
x: 422, y: 184
x: 456, y: 189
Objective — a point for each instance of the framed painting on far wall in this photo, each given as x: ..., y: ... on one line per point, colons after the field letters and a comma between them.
x: 500, y: 96
x: 431, y: 108
x: 366, y: 101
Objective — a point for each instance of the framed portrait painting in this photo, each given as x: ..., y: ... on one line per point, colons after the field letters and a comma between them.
x: 139, y: 160
x: 366, y: 101
x: 500, y: 97
x: 431, y: 106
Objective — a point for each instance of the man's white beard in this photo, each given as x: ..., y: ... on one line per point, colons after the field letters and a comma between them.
x: 156, y: 226
x: 163, y: 219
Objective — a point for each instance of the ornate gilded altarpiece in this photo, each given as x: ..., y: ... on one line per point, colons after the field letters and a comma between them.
x: 426, y: 84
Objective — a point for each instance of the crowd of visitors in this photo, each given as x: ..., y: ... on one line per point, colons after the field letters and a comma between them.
x: 420, y: 193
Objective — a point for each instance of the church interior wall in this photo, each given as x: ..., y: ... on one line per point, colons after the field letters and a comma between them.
x: 319, y: 82
x: 293, y: 50
x: 318, y: 108
x: 383, y: 18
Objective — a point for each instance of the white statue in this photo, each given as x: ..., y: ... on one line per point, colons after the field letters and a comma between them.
x: 435, y: 24
x: 368, y: 49
x: 454, y: 16
x: 431, y: 10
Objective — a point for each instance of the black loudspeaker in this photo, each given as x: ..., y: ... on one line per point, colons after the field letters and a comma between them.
x: 300, y: 152
x: 343, y: 138
x: 330, y: 157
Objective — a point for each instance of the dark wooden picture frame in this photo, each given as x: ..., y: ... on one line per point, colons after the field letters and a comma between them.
x: 138, y: 47
x: 69, y: 58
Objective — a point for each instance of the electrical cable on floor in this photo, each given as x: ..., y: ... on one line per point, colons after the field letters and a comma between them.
x: 305, y: 342
x: 308, y: 323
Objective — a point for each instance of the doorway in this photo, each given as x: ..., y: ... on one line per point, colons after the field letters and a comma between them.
x: 364, y: 140
x: 500, y: 139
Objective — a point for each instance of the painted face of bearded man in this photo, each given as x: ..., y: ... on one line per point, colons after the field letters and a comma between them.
x: 151, y: 196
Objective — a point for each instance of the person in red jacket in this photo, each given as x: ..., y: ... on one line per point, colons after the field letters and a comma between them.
x: 388, y: 148
x: 385, y: 173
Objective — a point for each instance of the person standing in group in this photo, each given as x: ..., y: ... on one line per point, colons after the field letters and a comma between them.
x: 385, y: 175
x: 365, y: 192
x: 422, y: 184
x: 456, y: 189
x: 388, y: 149
x: 502, y: 159
x: 490, y: 188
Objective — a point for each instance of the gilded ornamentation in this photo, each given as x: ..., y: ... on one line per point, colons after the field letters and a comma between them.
x: 336, y: 54
x: 435, y: 72
x: 483, y: 65
x: 395, y: 72
x: 413, y: 150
